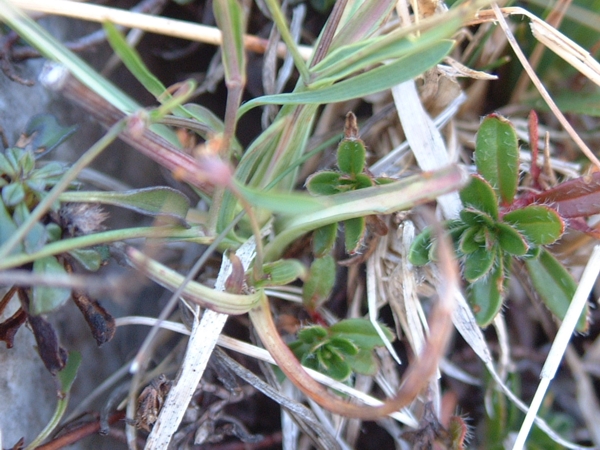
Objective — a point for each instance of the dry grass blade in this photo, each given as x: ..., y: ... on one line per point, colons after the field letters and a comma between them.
x: 560, y: 343
x: 152, y: 24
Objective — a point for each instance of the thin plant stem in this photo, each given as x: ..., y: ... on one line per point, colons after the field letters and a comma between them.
x: 52, y: 196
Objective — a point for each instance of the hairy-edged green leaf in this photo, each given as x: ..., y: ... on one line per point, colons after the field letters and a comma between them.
x: 332, y: 364
x: 67, y: 375
x: 323, y: 183
x: 497, y: 156
x: 574, y: 198
x: 312, y: 334
x: 343, y: 346
x: 361, y: 332
x: 364, y: 362
x: 539, y: 224
x: 282, y: 272
x: 351, y: 155
x: 153, y: 201
x: 320, y: 281
x: 292, y: 203
x: 363, y: 180
x: 89, y: 258
x: 324, y: 239
x: 354, y: 233
x: 46, y: 133
x: 370, y: 82
x: 471, y: 240
x: 475, y: 217
x: 510, y: 240
x: 555, y: 286
x: 480, y: 195
x: 13, y: 193
x: 485, y: 296
x: 419, y: 249
x: 46, y: 299
x: 479, y: 264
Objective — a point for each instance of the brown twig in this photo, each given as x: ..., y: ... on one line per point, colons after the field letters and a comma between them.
x: 79, y: 433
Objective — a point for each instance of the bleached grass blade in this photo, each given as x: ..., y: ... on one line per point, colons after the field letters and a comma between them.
x: 153, y: 24
x: 203, y: 338
x: 404, y: 416
x: 424, y: 139
x: 372, y: 281
x: 586, y: 283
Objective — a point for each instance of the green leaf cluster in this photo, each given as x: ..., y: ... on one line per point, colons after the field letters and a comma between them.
x: 493, y: 229
x: 341, y: 349
x: 351, y: 156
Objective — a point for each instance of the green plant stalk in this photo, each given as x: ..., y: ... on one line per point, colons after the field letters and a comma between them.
x: 52, y: 196
x: 384, y: 199
x: 59, y: 412
x: 105, y: 237
x: 281, y: 25
x: 222, y: 302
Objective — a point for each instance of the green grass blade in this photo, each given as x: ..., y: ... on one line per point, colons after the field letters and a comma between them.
x: 376, y: 80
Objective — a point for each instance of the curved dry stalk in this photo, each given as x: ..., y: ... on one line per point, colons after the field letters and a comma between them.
x: 417, y: 375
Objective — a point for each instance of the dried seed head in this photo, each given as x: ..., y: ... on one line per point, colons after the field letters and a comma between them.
x: 79, y: 219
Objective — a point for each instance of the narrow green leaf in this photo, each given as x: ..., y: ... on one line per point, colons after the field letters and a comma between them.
x: 555, y: 285
x: 230, y: 20
x: 485, y: 296
x: 132, y: 60
x: 354, y: 233
x: 67, y: 375
x: 479, y: 264
x: 154, y: 201
x: 351, y: 155
x: 539, y: 224
x: 511, y: 240
x: 293, y: 203
x: 497, y: 156
x: 319, y: 283
x: 324, y: 239
x: 419, y: 249
x: 323, y: 183
x: 478, y: 194
x: 376, y: 80
x: 46, y: 299
x: 361, y: 332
